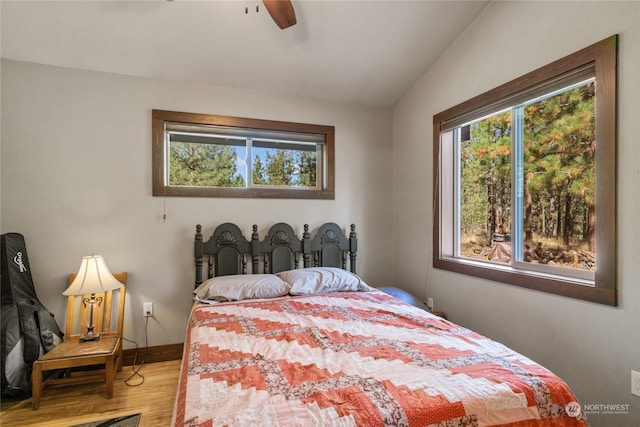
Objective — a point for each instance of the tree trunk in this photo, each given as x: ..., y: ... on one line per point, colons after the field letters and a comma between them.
x: 558, y: 231
x: 505, y: 202
x: 568, y: 221
x: 528, y: 232
x: 491, y: 226
x: 542, y: 231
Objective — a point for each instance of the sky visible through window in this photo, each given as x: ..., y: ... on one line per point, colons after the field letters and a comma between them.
x: 241, y: 160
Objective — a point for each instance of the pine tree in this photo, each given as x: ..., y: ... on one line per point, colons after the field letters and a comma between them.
x: 279, y: 168
x: 560, y: 157
x: 558, y: 171
x: 283, y: 167
x: 306, y: 165
x: 205, y: 165
x: 258, y: 172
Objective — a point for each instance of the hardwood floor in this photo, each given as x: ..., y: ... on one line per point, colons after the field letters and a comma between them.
x: 64, y: 406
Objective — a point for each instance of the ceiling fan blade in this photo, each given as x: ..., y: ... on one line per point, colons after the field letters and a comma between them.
x: 281, y: 12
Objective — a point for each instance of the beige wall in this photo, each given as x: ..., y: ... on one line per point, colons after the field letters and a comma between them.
x: 76, y: 180
x: 594, y: 347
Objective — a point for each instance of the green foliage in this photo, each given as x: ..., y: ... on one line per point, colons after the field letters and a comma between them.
x: 486, y: 176
x: 560, y: 141
x: 215, y: 165
x: 203, y: 165
x: 289, y: 168
x: 560, y: 159
x: 258, y: 173
x: 307, y: 166
x: 558, y: 169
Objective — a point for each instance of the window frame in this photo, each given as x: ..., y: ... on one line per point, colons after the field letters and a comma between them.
x: 160, y: 187
x: 602, y: 58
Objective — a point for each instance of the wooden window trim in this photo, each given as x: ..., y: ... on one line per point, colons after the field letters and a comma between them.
x: 161, y: 117
x: 602, y: 56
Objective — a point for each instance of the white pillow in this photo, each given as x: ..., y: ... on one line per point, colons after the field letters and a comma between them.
x: 242, y: 286
x: 318, y: 280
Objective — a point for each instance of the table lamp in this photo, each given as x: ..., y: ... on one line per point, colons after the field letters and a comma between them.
x: 93, y: 278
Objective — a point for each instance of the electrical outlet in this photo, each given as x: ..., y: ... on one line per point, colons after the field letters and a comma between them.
x: 147, y: 309
x: 430, y: 303
x: 635, y: 383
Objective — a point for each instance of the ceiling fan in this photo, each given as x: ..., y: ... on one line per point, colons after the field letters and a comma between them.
x: 281, y: 12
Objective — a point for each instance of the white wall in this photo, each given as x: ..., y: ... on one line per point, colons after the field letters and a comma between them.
x: 76, y: 180
x: 592, y: 346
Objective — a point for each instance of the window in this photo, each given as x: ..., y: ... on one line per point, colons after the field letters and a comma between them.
x: 524, y: 188
x: 220, y: 156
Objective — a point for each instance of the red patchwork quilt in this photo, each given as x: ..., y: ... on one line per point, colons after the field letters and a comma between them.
x: 356, y: 358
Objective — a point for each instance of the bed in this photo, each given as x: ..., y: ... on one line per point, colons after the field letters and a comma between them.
x: 326, y: 349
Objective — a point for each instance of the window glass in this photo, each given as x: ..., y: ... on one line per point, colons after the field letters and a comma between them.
x: 548, y: 144
x: 220, y: 156
x: 286, y: 164
x: 558, y: 179
x: 484, y: 185
x: 206, y: 161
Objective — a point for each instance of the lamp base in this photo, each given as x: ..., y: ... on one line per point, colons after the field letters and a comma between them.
x: 90, y: 336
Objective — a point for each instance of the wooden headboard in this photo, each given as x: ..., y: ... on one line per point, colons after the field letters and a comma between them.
x: 228, y: 251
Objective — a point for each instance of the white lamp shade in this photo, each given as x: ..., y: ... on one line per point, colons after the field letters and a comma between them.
x: 93, y: 277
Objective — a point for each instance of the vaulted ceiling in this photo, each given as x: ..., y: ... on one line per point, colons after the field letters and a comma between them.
x: 365, y: 52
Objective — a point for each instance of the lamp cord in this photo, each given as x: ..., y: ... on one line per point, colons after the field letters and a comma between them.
x: 136, y: 369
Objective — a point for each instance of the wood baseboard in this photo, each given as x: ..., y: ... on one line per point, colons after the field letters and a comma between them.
x: 159, y: 353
